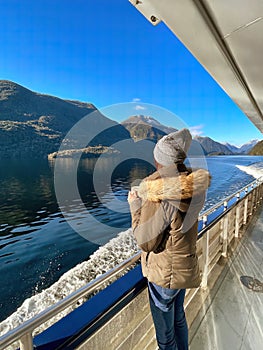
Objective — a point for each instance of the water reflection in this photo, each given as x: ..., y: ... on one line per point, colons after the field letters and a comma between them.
x: 97, y: 207
x: 26, y: 187
x: 37, y: 245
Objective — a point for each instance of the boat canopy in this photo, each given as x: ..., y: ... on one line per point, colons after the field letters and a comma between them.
x: 225, y: 37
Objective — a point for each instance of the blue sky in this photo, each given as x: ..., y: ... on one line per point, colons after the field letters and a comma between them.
x: 106, y: 52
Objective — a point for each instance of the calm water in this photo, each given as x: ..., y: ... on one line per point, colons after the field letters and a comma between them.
x: 38, y: 245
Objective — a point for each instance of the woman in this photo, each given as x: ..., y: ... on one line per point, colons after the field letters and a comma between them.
x: 164, y: 211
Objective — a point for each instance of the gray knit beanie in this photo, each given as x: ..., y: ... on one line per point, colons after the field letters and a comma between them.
x: 172, y: 148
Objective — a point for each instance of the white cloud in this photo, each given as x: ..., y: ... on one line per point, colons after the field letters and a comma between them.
x: 136, y: 99
x: 196, y: 130
x: 139, y: 108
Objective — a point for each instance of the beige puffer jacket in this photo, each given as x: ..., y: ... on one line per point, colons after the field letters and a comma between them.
x: 164, y: 222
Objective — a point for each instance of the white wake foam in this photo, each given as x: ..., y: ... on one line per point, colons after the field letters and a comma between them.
x: 102, y: 260
x: 255, y: 170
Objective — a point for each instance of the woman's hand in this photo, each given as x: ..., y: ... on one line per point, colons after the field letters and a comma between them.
x: 132, y: 195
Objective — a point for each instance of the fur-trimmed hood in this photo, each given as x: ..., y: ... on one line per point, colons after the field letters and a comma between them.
x: 168, y: 183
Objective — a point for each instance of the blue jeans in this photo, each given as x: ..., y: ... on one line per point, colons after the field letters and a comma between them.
x: 168, y: 317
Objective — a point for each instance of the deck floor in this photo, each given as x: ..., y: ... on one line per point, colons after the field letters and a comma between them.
x: 234, y: 320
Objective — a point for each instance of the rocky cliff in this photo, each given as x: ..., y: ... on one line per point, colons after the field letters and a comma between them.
x: 33, y: 124
x: 257, y: 150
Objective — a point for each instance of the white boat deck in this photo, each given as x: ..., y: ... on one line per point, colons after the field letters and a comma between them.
x: 234, y: 319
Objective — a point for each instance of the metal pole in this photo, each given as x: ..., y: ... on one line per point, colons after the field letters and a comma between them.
x: 225, y: 236
x: 26, y: 342
x: 237, y: 222
x: 205, y: 258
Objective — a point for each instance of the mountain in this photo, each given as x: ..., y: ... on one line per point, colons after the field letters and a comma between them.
x: 144, y: 127
x: 34, y: 124
x: 244, y: 149
x: 232, y: 148
x: 257, y: 150
x: 212, y: 147
x: 248, y: 146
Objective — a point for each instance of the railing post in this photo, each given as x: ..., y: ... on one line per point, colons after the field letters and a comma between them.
x: 258, y: 195
x: 260, y: 192
x: 253, y: 196
x: 26, y: 342
x: 205, y: 258
x: 245, y: 209
x: 237, y: 217
x: 225, y: 236
x: 204, y: 218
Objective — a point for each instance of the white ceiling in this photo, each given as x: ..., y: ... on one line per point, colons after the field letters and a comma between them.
x: 226, y: 37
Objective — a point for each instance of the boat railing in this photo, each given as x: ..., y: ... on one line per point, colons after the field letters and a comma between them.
x: 228, y: 201
x: 24, y: 332
x: 218, y: 226
x: 221, y: 224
